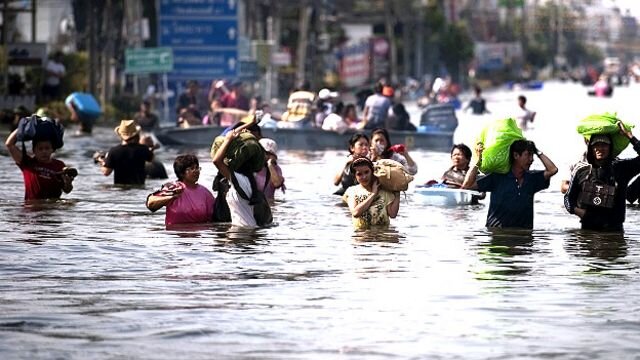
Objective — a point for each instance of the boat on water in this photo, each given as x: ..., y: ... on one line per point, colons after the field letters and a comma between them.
x: 442, y: 196
x: 435, y: 132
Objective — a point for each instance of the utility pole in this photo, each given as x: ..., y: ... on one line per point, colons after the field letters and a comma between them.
x: 92, y: 47
x: 389, y: 22
x: 303, y: 41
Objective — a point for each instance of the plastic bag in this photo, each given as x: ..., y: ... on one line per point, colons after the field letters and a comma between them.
x: 605, y: 124
x: 497, y: 138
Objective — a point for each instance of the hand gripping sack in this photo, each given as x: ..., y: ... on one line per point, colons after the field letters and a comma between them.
x: 605, y: 124
x: 497, y: 138
x: 244, y: 155
x: 392, y: 175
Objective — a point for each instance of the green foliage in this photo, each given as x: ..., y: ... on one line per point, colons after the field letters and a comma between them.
x: 77, y: 70
x: 537, y: 55
x: 122, y: 106
x: 456, y: 46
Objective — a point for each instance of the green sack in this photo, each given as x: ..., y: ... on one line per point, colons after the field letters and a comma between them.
x: 605, y: 124
x: 497, y: 138
x: 244, y: 155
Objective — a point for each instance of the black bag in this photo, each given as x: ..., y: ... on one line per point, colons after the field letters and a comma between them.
x: 597, y: 193
x: 40, y: 128
x: 261, y: 208
x: 221, y: 211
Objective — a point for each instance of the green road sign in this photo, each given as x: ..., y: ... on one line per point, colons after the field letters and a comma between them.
x: 148, y: 60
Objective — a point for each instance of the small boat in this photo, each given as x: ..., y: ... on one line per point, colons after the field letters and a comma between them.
x: 443, y: 196
x: 306, y: 139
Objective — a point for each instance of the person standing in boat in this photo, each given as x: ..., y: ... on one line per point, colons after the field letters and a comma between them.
x: 381, y: 149
x: 598, y: 188
x: 511, y: 204
x: 358, y: 147
x: 376, y: 109
x: 370, y: 206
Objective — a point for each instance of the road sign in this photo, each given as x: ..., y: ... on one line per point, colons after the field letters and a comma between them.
x: 203, y: 35
x: 189, y: 32
x: 204, y: 64
x: 199, y: 8
x: 148, y: 60
x: 27, y: 54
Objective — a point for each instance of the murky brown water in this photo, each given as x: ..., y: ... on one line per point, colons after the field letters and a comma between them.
x: 97, y: 276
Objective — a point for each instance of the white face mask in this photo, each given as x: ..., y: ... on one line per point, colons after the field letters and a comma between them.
x: 379, y: 148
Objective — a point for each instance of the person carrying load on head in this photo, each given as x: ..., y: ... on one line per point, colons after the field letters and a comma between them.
x: 270, y: 177
x: 511, y: 184
x: 598, y: 187
x: 44, y: 176
x: 238, y: 156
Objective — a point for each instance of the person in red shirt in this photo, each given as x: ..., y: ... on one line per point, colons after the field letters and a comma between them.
x: 44, y: 176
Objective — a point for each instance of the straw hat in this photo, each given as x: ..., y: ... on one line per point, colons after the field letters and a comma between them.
x: 127, y: 129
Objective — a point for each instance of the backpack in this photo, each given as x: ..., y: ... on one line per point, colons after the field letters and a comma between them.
x: 40, y: 128
x: 392, y: 175
x: 261, y: 208
x: 221, y: 211
x: 244, y: 154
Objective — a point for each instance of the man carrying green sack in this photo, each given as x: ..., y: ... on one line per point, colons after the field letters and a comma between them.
x: 598, y: 187
x: 496, y: 139
x: 511, y: 204
x: 606, y: 123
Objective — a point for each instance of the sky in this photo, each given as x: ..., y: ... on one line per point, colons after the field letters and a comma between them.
x: 632, y: 5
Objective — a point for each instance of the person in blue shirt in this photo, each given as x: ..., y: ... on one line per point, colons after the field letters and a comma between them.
x: 511, y: 202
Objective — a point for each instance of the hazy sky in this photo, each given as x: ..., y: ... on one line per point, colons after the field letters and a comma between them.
x: 632, y: 5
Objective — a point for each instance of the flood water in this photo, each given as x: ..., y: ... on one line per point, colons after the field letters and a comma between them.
x: 97, y: 276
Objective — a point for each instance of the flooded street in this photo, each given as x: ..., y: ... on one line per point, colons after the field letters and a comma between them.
x: 97, y: 276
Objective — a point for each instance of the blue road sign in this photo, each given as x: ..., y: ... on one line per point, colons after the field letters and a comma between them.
x: 192, y: 32
x: 203, y: 35
x: 198, y: 63
x: 189, y: 8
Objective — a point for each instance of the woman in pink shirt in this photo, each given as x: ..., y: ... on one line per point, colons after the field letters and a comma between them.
x: 186, y: 201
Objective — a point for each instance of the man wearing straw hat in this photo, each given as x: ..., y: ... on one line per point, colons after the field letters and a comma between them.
x: 127, y: 160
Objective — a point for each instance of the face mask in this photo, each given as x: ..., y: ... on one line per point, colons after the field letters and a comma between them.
x: 379, y: 148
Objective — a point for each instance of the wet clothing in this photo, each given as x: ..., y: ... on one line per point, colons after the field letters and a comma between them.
x: 194, y: 205
x: 377, y: 214
x: 128, y: 163
x: 41, y: 180
x: 155, y: 170
x: 261, y: 179
x: 478, y: 106
x: 511, y: 204
x: 602, y: 212
x: 454, y: 177
x: 147, y: 121
x: 241, y: 210
x: 347, y: 180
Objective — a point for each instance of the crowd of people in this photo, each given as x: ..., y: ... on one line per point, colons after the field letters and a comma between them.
x: 596, y: 192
